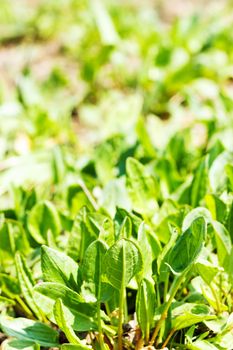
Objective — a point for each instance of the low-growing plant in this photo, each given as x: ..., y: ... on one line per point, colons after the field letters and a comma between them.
x: 116, y: 214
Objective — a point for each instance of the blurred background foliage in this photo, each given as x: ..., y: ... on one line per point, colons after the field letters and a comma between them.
x: 94, y: 79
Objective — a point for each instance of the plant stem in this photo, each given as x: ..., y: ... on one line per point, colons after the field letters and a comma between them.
x: 24, y: 307
x: 174, y: 289
x: 139, y: 344
x: 121, y: 316
x: 158, y: 294
x: 168, y: 338
x: 101, y: 340
x: 218, y: 306
x: 125, y: 308
x: 165, y: 289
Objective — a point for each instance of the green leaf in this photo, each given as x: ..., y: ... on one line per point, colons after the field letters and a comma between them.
x: 9, y: 285
x: 79, y: 313
x: 150, y: 248
x: 63, y: 322
x: 43, y: 217
x: 194, y: 214
x: 14, y: 344
x: 119, y: 218
x: 141, y: 187
x: 202, y: 345
x: 13, y: 239
x: 217, y: 172
x: 145, y: 307
x: 77, y: 198
x: 162, y: 269
x: 188, y: 246
x: 216, y: 207
x: 84, y: 231
x: 223, y: 242
x: 206, y: 270
x: 26, y: 329
x: 199, y: 183
x: 26, y: 284
x: 189, y: 314
x: 92, y: 269
x: 125, y: 228
x: 122, y: 262
x: 58, y: 267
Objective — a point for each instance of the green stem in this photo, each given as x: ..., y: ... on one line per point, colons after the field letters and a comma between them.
x: 168, y: 338
x: 165, y: 289
x: 108, y: 309
x: 101, y: 338
x: 125, y: 309
x: 121, y: 316
x: 24, y: 307
x: 218, y: 306
x: 176, y: 285
x: 158, y: 294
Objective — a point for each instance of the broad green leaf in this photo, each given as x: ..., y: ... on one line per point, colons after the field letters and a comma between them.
x: 84, y: 231
x: 79, y: 314
x: 194, y: 214
x: 199, y: 183
x: 77, y: 198
x: 122, y: 262
x: 206, y: 270
x: 216, y: 207
x: 189, y: 314
x: 145, y: 306
x: 92, y: 269
x: 187, y: 246
x: 13, y: 238
x: 106, y: 158
x: 126, y: 228
x: 58, y: 267
x: 223, y: 242
x: 26, y: 329
x: 63, y: 323
x: 9, y: 285
x: 150, y: 248
x: 14, y: 344
x: 161, y: 263
x: 43, y: 217
x: 119, y: 218
x: 202, y: 345
x: 107, y: 233
x: 24, y: 200
x: 217, y: 172
x: 169, y: 214
x: 26, y: 284
x: 142, y: 188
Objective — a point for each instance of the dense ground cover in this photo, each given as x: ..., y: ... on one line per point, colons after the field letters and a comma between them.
x: 116, y: 177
